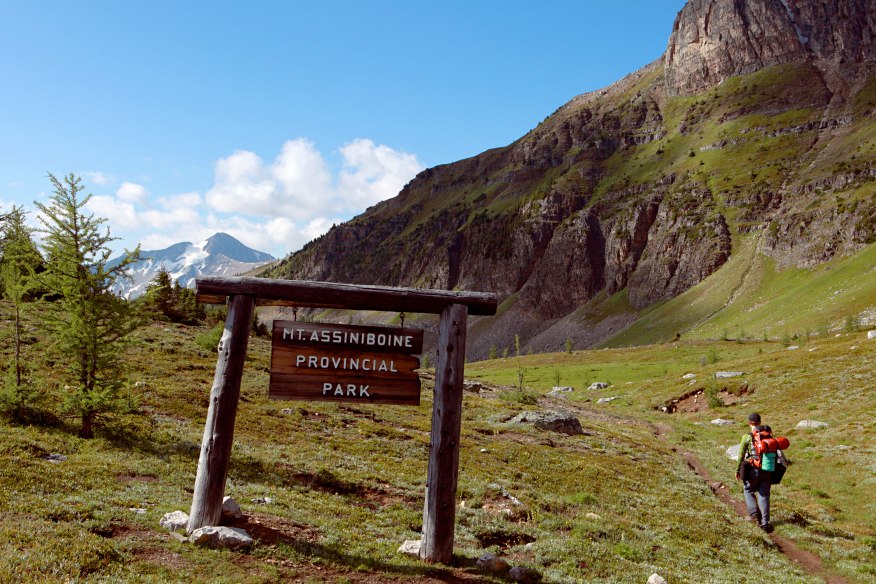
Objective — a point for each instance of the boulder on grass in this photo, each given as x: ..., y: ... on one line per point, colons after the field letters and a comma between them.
x: 492, y: 563
x: 231, y: 538
x: 174, y: 520
x: 524, y: 575
x: 230, y: 509
x: 811, y: 425
x: 411, y: 547
x: 561, y: 422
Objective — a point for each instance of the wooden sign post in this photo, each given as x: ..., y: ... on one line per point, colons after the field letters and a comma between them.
x: 306, y: 369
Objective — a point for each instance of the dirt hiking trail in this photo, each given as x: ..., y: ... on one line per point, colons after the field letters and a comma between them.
x: 807, y: 560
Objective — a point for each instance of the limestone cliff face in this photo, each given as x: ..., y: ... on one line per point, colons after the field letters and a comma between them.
x: 716, y: 39
x: 757, y: 120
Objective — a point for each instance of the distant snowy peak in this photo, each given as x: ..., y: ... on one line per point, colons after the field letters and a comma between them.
x: 219, y: 255
x: 224, y: 244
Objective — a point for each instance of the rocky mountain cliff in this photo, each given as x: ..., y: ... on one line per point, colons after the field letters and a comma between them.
x: 758, y: 121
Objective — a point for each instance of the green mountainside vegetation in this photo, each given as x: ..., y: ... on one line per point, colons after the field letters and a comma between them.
x: 629, y: 190
x: 613, y: 505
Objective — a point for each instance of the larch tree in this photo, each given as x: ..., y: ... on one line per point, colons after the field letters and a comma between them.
x: 18, y: 265
x: 19, y: 396
x: 87, y: 321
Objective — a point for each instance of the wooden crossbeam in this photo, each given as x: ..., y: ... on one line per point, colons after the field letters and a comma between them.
x: 269, y: 292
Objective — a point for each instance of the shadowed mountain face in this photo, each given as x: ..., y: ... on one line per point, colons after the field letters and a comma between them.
x: 758, y: 121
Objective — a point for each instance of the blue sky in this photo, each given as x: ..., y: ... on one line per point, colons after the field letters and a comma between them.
x: 272, y: 120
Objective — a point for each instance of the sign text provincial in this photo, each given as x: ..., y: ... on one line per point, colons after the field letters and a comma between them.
x: 329, y: 362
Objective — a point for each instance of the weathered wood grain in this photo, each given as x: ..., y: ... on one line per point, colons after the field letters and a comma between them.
x: 219, y: 427
x: 439, y: 509
x: 215, y: 289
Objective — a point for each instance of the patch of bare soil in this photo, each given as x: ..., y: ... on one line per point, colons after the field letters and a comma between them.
x: 806, y: 560
x: 697, y: 401
x: 271, y: 530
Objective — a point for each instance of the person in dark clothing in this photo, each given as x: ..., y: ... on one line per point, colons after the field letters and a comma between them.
x: 756, y: 482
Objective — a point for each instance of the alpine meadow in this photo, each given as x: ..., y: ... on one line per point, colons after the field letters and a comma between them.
x: 551, y: 349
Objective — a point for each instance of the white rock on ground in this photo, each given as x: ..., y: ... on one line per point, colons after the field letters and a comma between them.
x: 411, y: 547
x: 728, y: 374
x: 560, y: 391
x: 793, y: 347
x: 221, y: 537
x: 689, y: 376
x: 174, y: 520
x: 733, y: 452
x: 598, y: 385
x: 605, y: 400
x: 722, y: 422
x: 656, y: 579
x: 871, y: 334
x: 811, y: 424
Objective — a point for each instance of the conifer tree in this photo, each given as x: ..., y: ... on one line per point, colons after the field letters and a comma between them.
x: 86, y: 320
x: 159, y: 293
x: 19, y: 262
x: 17, y: 267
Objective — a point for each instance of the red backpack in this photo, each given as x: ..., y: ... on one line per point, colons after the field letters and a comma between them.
x: 763, y: 442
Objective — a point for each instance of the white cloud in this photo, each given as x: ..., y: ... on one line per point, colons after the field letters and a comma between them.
x: 295, y: 185
x: 97, y: 177
x: 132, y: 193
x: 182, y: 200
x: 275, y: 206
x: 299, y: 185
x: 119, y: 214
x: 373, y: 173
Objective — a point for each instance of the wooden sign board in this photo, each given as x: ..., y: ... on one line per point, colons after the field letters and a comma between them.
x: 334, y: 362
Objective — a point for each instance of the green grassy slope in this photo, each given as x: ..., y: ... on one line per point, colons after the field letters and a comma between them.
x: 825, y: 503
x: 346, y: 482
x: 750, y: 298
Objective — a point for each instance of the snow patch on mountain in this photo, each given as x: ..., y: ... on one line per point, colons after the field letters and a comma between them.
x: 219, y: 255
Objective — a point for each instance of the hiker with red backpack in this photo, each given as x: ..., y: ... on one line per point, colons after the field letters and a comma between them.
x: 761, y: 464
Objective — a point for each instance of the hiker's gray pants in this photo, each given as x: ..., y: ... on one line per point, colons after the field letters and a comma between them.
x: 757, y: 497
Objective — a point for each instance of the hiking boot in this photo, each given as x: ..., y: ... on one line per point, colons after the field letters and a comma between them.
x: 767, y: 527
x: 755, y: 518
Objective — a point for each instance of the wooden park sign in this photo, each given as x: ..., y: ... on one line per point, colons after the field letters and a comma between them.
x: 333, y: 362
x: 306, y: 364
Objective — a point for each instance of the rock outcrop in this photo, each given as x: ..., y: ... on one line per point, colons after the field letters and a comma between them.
x: 716, y: 39
x: 636, y: 192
